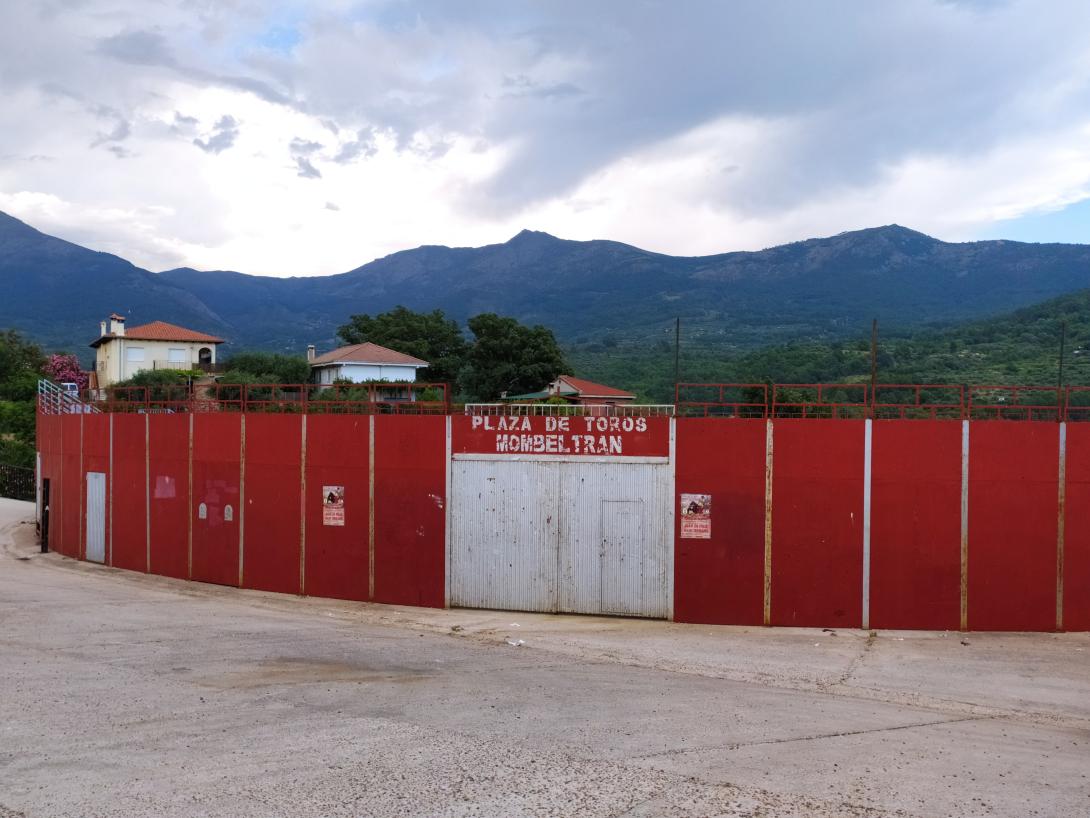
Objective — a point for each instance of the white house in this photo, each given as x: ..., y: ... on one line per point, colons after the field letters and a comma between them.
x: 120, y: 353
x: 360, y: 363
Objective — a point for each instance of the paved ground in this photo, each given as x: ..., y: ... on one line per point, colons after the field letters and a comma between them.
x: 122, y: 694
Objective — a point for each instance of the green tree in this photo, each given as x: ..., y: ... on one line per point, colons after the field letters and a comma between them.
x: 507, y: 356
x: 21, y: 365
x: 268, y: 367
x: 159, y: 377
x: 430, y: 336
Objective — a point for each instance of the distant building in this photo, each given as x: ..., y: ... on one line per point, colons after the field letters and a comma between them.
x: 362, y: 363
x: 577, y: 391
x: 120, y: 353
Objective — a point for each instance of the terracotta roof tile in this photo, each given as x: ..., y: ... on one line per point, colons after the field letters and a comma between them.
x: 589, y: 389
x: 366, y: 353
x: 161, y: 331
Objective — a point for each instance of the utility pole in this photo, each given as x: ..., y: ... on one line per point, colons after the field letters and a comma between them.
x: 873, y: 361
x: 677, y: 350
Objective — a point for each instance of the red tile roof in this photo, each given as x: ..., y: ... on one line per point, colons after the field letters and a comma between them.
x: 161, y: 331
x: 366, y: 353
x: 589, y: 389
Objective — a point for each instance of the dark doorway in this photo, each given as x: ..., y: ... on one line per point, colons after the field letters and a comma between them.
x: 45, y: 515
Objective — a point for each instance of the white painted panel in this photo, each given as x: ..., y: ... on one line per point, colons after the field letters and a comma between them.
x: 503, y: 535
x: 594, y: 500
x: 96, y: 516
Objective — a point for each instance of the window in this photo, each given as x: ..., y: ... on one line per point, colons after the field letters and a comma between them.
x: 176, y: 356
x: 134, y: 354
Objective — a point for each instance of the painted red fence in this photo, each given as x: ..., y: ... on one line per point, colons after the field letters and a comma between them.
x: 836, y: 521
x: 240, y: 499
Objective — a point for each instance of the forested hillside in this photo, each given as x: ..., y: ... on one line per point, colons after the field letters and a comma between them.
x: 1021, y: 347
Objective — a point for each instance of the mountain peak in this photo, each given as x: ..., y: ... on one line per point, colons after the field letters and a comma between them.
x: 524, y: 236
x: 896, y: 232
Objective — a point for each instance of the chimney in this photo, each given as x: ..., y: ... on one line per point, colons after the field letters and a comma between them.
x: 310, y: 352
x: 117, y: 325
x: 101, y: 328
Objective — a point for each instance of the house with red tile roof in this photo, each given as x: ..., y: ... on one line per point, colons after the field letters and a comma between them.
x: 578, y: 391
x: 362, y: 363
x: 121, y: 352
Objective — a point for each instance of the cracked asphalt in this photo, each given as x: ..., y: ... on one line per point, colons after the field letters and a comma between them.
x: 128, y: 695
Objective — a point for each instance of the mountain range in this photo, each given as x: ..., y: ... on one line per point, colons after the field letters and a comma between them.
x: 57, y: 292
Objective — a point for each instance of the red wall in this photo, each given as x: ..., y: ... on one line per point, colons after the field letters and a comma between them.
x: 44, y: 438
x: 130, y: 535
x: 410, y: 520
x: 1076, y: 576
x: 916, y: 524
x: 169, y: 494
x: 217, y: 441
x: 60, y: 487
x: 271, y: 550
x: 1013, y: 505
x: 337, y: 557
x: 53, y: 468
x: 817, y: 523
x: 721, y: 580
x: 51, y: 445
x: 71, y: 486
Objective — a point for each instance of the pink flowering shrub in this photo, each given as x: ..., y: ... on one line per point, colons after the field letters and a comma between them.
x: 65, y: 369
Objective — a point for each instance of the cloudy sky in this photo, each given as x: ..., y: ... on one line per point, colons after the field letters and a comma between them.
x: 296, y: 138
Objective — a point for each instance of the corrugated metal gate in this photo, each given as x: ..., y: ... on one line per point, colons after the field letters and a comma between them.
x: 549, y: 533
x: 561, y: 536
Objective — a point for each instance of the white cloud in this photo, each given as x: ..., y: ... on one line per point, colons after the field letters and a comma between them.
x: 218, y: 135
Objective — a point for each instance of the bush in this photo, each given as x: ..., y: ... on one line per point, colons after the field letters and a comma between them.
x: 268, y: 367
x: 17, y: 453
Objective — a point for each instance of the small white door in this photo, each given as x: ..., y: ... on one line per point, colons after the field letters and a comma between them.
x: 96, y: 516
x: 621, y: 557
x: 615, y: 538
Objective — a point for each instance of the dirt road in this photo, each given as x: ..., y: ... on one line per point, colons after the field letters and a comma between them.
x: 128, y: 695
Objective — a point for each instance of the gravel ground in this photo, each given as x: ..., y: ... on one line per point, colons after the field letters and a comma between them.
x: 128, y: 695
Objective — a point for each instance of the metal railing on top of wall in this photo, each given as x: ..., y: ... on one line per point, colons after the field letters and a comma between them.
x: 365, y: 399
x: 723, y: 400
x: 884, y: 401
x: 571, y: 409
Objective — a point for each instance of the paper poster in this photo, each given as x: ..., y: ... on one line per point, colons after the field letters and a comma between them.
x: 332, y: 505
x: 696, y: 516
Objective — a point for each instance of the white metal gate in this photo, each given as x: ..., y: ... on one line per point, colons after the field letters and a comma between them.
x: 96, y: 516
x: 561, y: 535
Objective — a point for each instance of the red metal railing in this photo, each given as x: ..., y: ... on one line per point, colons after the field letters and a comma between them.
x: 1077, y: 403
x: 819, y: 400
x: 723, y: 400
x: 1015, y: 403
x: 367, y: 399
x: 737, y: 400
x: 918, y: 401
x: 887, y: 401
